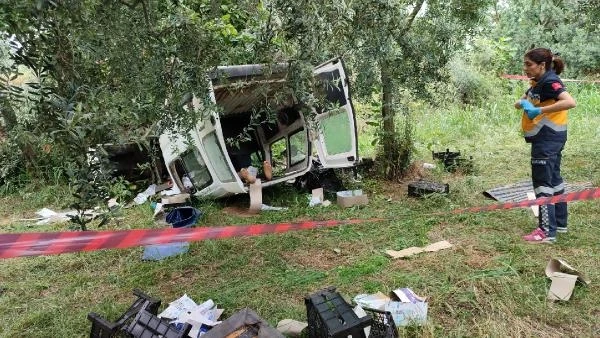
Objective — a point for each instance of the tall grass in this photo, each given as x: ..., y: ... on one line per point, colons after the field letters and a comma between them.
x: 489, y: 284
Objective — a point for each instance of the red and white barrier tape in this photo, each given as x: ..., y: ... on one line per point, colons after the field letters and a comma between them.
x: 54, y: 243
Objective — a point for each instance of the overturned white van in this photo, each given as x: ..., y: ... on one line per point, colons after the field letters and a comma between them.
x: 206, y: 162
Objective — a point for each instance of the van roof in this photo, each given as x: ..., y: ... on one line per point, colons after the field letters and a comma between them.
x: 245, y: 71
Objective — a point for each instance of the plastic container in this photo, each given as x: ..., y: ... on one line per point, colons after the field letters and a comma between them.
x: 330, y: 316
x: 183, y: 217
x: 147, y: 325
x: 423, y: 188
x: 383, y: 325
x: 102, y: 328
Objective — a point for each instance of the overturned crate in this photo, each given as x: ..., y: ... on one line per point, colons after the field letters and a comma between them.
x: 102, y: 328
x: 330, y: 316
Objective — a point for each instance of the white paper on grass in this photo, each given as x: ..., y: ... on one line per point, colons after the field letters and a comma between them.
x: 46, y: 213
x: 407, y: 313
x: 203, y: 314
x: 264, y: 207
x: 143, y: 196
x: 178, y: 307
x: 375, y: 301
x: 50, y: 216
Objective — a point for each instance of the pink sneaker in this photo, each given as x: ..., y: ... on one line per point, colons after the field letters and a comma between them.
x: 539, y: 236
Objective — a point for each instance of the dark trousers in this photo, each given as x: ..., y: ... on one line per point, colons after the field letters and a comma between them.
x: 545, y: 172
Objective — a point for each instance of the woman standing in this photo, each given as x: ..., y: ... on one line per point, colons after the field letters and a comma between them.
x: 544, y: 124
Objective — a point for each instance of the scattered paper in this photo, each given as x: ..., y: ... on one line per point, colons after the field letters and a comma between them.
x: 405, y: 306
x: 177, y: 307
x: 143, y: 196
x: 563, y: 277
x: 185, y: 310
x: 375, y: 301
x: 416, y: 250
x: 265, y: 207
x: 48, y: 216
x: 112, y: 203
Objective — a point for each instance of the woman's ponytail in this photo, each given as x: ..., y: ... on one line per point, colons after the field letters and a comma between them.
x: 557, y: 64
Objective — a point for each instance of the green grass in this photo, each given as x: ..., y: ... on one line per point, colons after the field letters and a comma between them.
x: 489, y: 284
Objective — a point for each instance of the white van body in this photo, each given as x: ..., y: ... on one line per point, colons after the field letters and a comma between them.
x: 206, y: 160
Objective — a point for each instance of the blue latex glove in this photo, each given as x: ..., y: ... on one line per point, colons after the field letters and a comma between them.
x: 531, y: 110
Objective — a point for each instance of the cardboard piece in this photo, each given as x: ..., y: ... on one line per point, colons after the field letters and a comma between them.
x: 563, y: 277
x: 534, y: 208
x: 405, y: 306
x: 291, y: 328
x: 416, y: 250
x: 317, y: 197
x: 244, y: 323
x: 256, y: 196
x: 175, y: 199
x: 350, y: 198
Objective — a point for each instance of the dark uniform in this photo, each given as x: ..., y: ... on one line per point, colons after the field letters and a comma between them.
x: 547, y: 134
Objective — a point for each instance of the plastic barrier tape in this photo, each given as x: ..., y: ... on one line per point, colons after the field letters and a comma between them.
x: 588, y: 194
x: 54, y: 243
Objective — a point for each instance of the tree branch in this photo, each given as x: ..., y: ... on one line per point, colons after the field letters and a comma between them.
x: 413, y: 14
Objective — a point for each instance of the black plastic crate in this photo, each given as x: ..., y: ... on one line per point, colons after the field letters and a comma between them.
x: 148, y: 325
x: 102, y: 328
x: 383, y: 325
x: 422, y: 188
x: 330, y: 316
x: 453, y: 161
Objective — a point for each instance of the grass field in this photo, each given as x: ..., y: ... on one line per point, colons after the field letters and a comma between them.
x: 490, y: 284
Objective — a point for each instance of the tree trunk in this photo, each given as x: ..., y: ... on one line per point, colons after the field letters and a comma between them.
x: 387, y: 111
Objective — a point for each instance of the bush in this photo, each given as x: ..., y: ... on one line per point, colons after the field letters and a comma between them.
x: 11, y: 164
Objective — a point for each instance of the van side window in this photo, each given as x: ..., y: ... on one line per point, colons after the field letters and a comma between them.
x: 195, y: 169
x: 279, y: 161
x: 298, y: 149
x: 331, y: 91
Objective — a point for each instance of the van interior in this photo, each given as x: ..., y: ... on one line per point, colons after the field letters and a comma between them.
x: 259, y: 124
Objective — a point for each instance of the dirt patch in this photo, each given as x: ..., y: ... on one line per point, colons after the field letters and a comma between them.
x: 5, y: 220
x: 397, y: 189
x: 239, y: 211
x: 475, y: 257
x: 320, y: 259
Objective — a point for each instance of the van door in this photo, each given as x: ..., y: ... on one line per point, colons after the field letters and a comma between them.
x: 202, y: 158
x: 336, y: 136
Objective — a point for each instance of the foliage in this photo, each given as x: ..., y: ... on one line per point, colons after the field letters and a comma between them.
x: 90, y: 187
x: 402, y: 45
x: 116, y: 72
x: 473, y: 74
x: 569, y: 27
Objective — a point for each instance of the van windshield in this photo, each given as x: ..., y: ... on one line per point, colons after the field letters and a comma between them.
x: 217, y: 158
